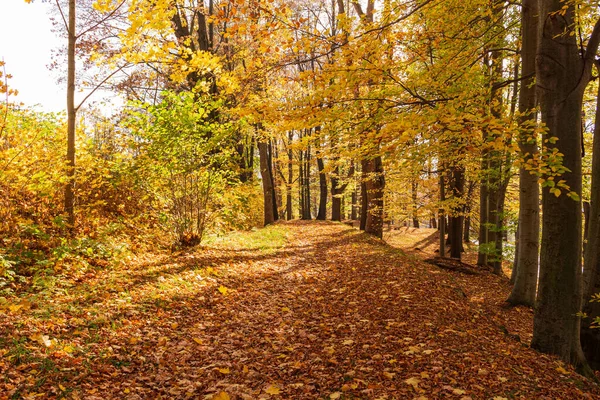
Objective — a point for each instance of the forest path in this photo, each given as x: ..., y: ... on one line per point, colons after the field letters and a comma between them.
x: 328, y: 313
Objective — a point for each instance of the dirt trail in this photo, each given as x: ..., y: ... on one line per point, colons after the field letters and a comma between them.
x: 332, y: 314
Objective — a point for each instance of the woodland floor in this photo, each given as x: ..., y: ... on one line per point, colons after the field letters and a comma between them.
x: 319, y: 312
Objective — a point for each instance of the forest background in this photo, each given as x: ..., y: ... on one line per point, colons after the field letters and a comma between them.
x: 239, y: 113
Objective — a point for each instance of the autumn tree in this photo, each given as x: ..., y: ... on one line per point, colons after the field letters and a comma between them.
x: 562, y: 74
x: 527, y: 254
x: 84, y: 33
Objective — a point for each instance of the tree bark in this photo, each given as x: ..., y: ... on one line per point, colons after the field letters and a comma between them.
x: 442, y: 217
x: 590, y: 337
x: 336, y: 200
x: 561, y: 77
x: 525, y: 269
x: 71, y: 118
x: 354, y: 212
x: 306, y: 214
x: 272, y: 178
x: 482, y: 238
x: 364, y: 205
x: 267, y: 183
x: 322, y: 214
x: 415, y: 206
x: 374, y: 185
x: 288, y: 203
x: 457, y: 181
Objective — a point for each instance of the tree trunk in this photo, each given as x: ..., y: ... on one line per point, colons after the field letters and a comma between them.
x: 467, y: 213
x: 375, y: 186
x: 272, y: 178
x: 245, y: 160
x: 457, y: 181
x: 354, y: 213
x: 71, y: 118
x: 288, y: 204
x: 482, y: 239
x: 305, y: 185
x: 322, y: 214
x: 525, y: 269
x: 300, y: 184
x: 336, y: 201
x: 415, y: 206
x: 561, y: 77
x: 267, y: 183
x: 442, y: 224
x: 364, y: 205
x: 590, y: 337
x: 513, y: 273
x: 336, y: 207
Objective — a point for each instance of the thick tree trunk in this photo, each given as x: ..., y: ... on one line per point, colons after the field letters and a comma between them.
x: 561, y: 77
x: 525, y: 269
x: 587, y: 208
x: 375, y: 185
x: 590, y: 337
x: 457, y: 181
x: 267, y: 183
x: 336, y: 208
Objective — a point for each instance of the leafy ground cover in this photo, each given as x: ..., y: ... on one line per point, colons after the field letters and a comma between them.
x: 300, y: 310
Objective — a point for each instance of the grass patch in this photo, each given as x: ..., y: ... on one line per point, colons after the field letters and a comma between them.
x: 267, y: 239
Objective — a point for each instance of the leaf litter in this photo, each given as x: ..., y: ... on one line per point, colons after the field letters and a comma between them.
x: 332, y: 313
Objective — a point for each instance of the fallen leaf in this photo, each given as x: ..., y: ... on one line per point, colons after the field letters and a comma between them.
x: 221, y: 396
x: 414, y: 382
x: 389, y: 375
x: 272, y: 390
x: 335, y: 395
x: 561, y: 370
x: 223, y: 290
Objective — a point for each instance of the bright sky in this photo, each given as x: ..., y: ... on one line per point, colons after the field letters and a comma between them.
x: 26, y: 47
x: 27, y: 41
